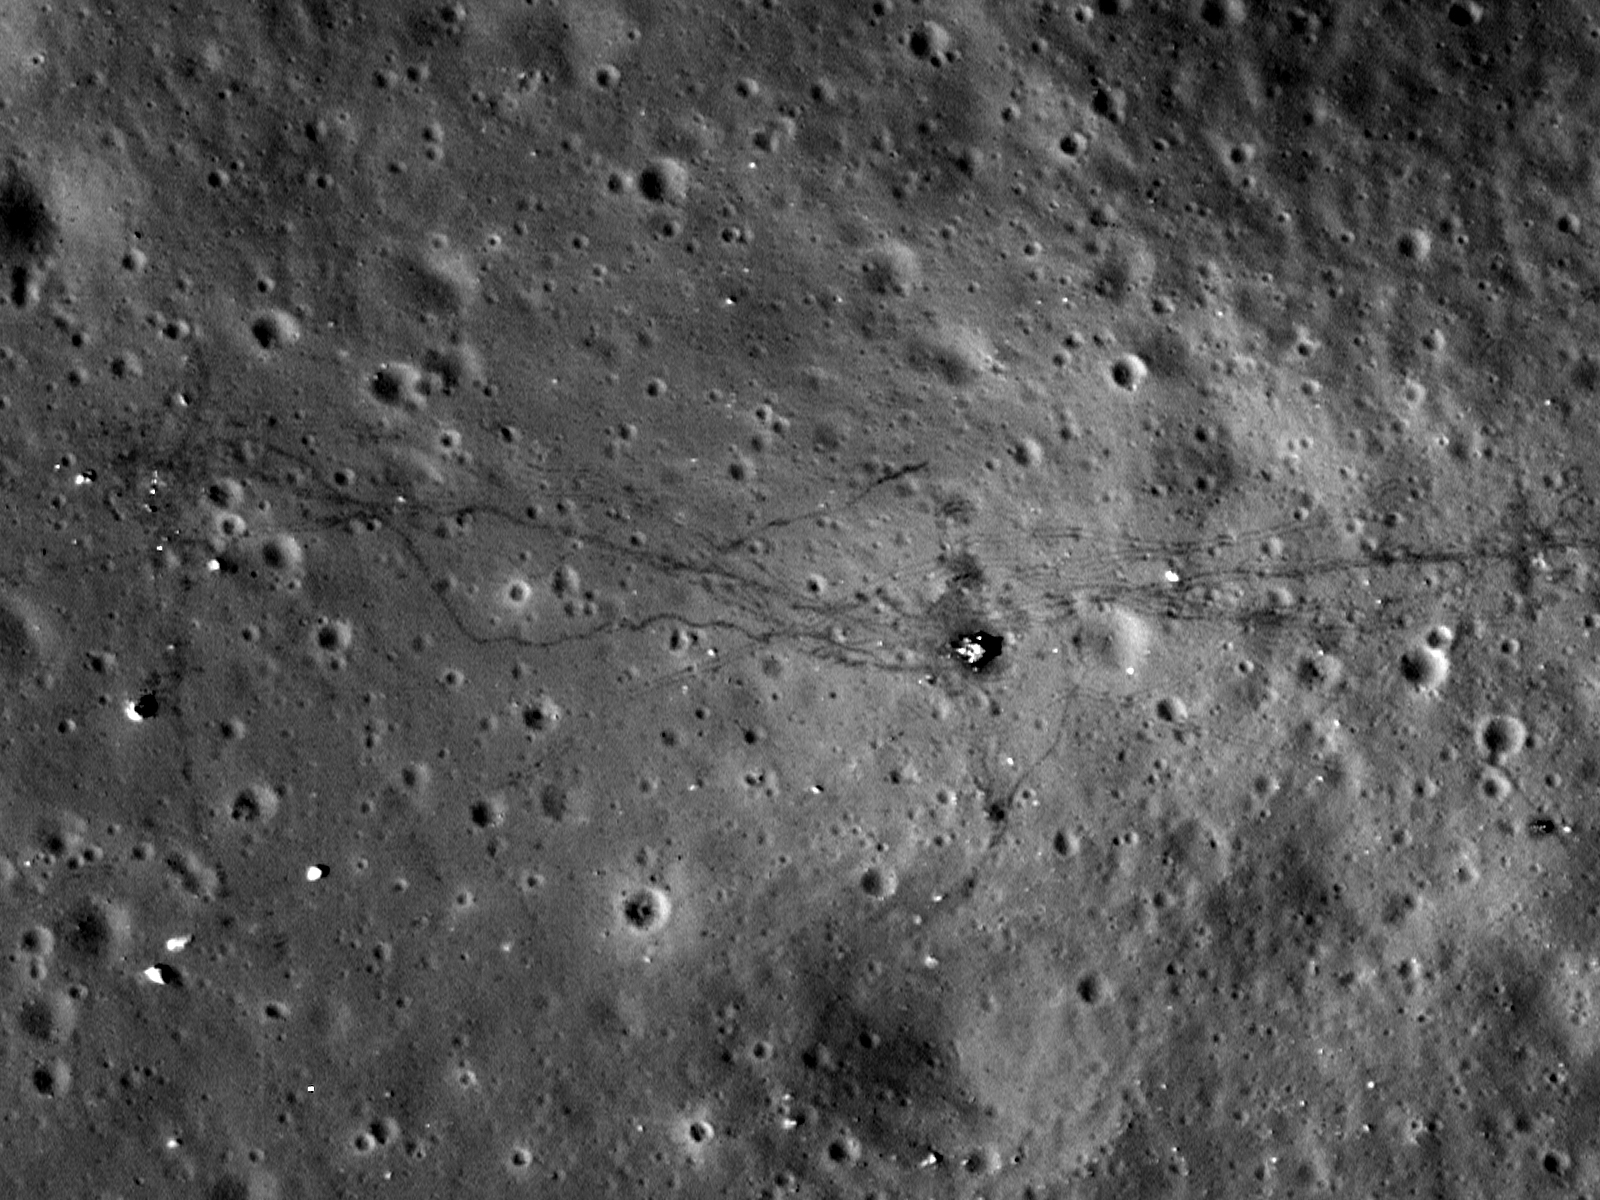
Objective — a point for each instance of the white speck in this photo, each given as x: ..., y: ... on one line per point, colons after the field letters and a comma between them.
x: 153, y: 974
x: 314, y: 873
x: 178, y: 943
x: 132, y: 713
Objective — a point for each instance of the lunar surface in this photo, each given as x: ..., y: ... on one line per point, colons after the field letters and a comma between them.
x: 851, y: 599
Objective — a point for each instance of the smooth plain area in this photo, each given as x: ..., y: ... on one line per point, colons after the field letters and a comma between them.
x: 806, y: 598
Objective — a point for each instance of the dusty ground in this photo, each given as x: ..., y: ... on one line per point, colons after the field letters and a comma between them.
x: 829, y: 599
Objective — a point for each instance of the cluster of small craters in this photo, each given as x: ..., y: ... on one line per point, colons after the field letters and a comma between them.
x: 400, y: 383
x: 247, y: 541
x: 331, y: 641
x: 374, y: 1137
x: 72, y: 960
x: 1500, y: 739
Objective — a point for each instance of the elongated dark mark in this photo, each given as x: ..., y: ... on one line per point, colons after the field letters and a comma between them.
x: 1053, y: 568
x: 887, y: 476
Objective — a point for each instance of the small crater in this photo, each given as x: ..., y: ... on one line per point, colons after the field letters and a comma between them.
x: 878, y: 882
x: 253, y: 1183
x: 275, y: 329
x: 931, y: 42
x: 1501, y: 737
x: 1093, y: 989
x: 29, y: 231
x: 51, y: 1017
x: 556, y: 802
x: 37, y: 940
x: 1172, y: 709
x: 892, y: 269
x: 459, y: 364
x: 255, y: 804
x: 1425, y: 667
x: 333, y: 635
x: 97, y: 928
x: 1415, y: 245
x: 51, y: 1079
x: 542, y: 715
x: 664, y: 181
x: 489, y: 812
x: 1129, y: 372
x: 30, y: 640
x: 519, y: 1159
x: 1222, y: 14
x: 844, y: 1150
x: 1494, y: 785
